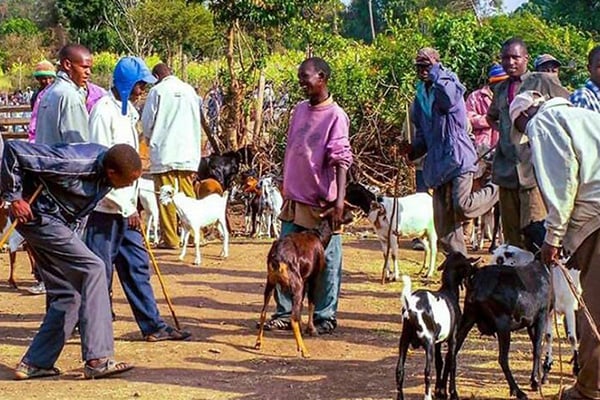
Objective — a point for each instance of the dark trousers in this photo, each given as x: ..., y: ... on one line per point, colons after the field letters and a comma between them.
x: 76, y: 291
x: 111, y: 239
x: 518, y: 208
x: 587, y: 256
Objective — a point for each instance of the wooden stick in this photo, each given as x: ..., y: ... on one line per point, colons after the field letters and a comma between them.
x: 12, y: 226
x: 159, y: 275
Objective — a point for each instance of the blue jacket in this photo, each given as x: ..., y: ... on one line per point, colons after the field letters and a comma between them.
x: 443, y: 136
x: 72, y: 176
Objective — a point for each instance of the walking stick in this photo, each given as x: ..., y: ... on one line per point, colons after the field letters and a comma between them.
x: 12, y: 226
x: 159, y: 275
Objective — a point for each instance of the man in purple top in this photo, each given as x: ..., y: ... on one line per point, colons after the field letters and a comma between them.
x: 440, y: 119
x: 316, y: 162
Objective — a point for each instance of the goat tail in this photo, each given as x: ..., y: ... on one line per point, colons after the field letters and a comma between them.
x: 406, y: 290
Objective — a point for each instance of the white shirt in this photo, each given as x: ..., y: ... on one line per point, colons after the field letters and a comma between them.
x: 172, y: 126
x: 565, y: 144
x: 108, y: 127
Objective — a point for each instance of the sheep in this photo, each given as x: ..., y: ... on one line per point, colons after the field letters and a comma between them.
x: 147, y: 197
x: 295, y: 262
x: 500, y: 300
x: 413, y: 217
x: 195, y: 214
x: 565, y: 302
x: 431, y: 318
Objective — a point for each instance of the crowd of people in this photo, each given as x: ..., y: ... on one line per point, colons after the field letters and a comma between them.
x: 83, y: 154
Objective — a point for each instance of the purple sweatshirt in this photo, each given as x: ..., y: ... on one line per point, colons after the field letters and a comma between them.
x: 317, y: 144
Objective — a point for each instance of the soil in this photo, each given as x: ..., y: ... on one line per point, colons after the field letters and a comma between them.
x: 219, y: 303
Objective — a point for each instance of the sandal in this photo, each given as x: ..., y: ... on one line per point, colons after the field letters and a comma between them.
x: 277, y: 324
x: 168, y: 333
x: 105, y: 369
x: 326, y: 326
x: 26, y: 371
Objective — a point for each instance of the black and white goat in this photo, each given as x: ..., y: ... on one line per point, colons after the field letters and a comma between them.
x: 565, y: 302
x: 500, y: 300
x: 413, y: 217
x: 431, y: 318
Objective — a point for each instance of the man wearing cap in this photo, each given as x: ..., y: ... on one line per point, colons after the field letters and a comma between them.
x: 478, y: 103
x: 44, y: 73
x: 547, y: 63
x: 588, y: 96
x: 172, y: 127
x: 440, y: 119
x: 520, y: 199
x: 564, y: 144
x: 113, y: 229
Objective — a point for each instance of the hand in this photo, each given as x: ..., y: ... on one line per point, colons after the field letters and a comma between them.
x: 135, y: 222
x: 404, y: 148
x: 21, y: 211
x: 549, y: 254
x: 335, y: 213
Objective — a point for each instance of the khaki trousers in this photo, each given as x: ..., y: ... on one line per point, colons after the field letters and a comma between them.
x: 518, y: 208
x: 168, y: 215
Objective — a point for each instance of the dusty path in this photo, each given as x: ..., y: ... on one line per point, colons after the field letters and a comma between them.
x: 219, y: 303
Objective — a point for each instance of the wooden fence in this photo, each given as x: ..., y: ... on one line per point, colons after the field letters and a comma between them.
x: 8, y: 121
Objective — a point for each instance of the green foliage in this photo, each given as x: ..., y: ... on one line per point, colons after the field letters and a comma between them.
x: 584, y: 14
x: 18, y: 26
x: 84, y: 22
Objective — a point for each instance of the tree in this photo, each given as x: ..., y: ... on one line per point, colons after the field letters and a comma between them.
x: 82, y: 22
x: 584, y: 14
x: 18, y: 26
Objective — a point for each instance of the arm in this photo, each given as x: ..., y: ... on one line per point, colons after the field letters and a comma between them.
x: 556, y: 169
x: 419, y: 146
x: 447, y: 89
x: 340, y: 157
x: 478, y: 121
x: 73, y: 122
x: 149, y: 113
x: 493, y: 113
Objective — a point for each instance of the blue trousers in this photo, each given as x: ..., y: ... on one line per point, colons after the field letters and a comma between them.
x: 327, y: 291
x: 111, y: 239
x: 76, y: 291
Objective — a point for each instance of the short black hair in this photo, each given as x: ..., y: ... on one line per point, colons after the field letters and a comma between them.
x: 161, y: 69
x: 123, y: 159
x: 515, y: 41
x: 320, y: 65
x: 70, y: 51
x: 593, y: 54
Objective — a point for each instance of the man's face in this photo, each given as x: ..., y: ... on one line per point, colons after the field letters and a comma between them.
x: 423, y: 72
x: 137, y: 91
x: 549, y: 68
x: 79, y: 68
x: 44, y: 81
x: 594, y: 69
x: 120, y: 181
x: 514, y: 60
x: 310, y: 81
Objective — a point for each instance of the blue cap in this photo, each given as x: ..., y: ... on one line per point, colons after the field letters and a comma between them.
x: 128, y: 72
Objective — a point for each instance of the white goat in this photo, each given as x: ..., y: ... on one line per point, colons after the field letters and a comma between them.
x: 565, y: 302
x: 413, y: 217
x: 272, y: 203
x: 195, y: 214
x: 147, y: 197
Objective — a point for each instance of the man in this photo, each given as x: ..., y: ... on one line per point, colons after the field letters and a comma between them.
x: 589, y: 95
x: 172, y: 127
x: 315, y: 166
x: 44, y: 74
x: 62, y: 116
x: 547, y: 63
x: 440, y: 119
x: 113, y: 229
x: 564, y: 142
x: 74, y: 178
x: 520, y: 199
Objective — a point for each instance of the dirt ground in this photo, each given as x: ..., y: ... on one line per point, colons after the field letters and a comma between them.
x: 220, y: 302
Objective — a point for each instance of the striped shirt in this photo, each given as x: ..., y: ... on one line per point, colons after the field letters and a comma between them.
x: 587, y: 96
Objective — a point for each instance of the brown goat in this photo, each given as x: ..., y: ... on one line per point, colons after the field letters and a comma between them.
x: 206, y: 187
x: 295, y: 262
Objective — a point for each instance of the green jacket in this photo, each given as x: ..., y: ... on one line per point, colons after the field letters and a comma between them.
x: 512, y: 168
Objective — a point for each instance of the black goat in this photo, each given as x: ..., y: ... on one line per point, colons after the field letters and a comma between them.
x: 500, y: 300
x: 430, y: 319
x: 224, y: 167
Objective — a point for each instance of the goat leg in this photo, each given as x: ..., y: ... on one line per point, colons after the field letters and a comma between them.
x: 504, y: 347
x: 298, y: 336
x: 440, y: 383
x: 11, y: 274
x: 310, y: 328
x: 263, y: 315
x: 402, y: 351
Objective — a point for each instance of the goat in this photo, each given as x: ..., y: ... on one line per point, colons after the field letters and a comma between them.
x: 254, y: 206
x: 565, y: 302
x: 224, y: 167
x: 413, y: 217
x: 195, y: 214
x: 206, y: 187
x: 295, y: 262
x: 272, y: 203
x: 430, y: 319
x: 147, y: 197
x: 500, y: 300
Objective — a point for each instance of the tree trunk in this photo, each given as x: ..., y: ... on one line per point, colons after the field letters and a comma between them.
x: 232, y: 110
x: 258, y: 106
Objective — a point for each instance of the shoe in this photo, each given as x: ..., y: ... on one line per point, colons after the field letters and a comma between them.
x: 168, y: 333
x: 417, y: 244
x: 277, y: 324
x: 37, y: 289
x: 108, y: 367
x: 26, y: 371
x: 326, y: 326
x: 166, y: 246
